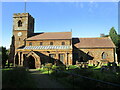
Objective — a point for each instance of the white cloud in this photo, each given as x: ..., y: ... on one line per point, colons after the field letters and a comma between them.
x: 91, y: 6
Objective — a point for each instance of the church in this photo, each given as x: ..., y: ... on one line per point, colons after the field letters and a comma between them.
x: 32, y: 50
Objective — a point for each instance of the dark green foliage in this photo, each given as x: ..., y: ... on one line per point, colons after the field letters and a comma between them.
x: 62, y: 67
x: 116, y: 40
x: 47, y: 66
x: 114, y: 36
x: 72, y: 67
x: 4, y: 54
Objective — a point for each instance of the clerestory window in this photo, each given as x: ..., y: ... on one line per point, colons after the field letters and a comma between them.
x: 41, y: 43
x: 30, y: 44
x: 51, y: 43
x: 63, y: 43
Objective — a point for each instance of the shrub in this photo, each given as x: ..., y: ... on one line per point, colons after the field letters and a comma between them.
x: 72, y: 67
x: 62, y: 67
x: 54, y: 67
x: 47, y: 66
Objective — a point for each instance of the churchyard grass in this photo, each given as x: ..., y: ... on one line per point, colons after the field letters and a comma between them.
x: 92, y: 72
x: 16, y: 78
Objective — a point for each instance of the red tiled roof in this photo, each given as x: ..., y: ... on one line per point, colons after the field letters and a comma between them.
x: 51, y: 35
x: 101, y: 42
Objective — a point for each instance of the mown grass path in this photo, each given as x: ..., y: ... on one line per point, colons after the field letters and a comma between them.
x: 44, y: 81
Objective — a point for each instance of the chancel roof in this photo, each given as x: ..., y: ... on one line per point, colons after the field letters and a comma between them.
x: 100, y: 42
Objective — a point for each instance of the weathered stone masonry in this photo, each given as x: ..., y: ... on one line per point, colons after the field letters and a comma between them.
x: 32, y: 50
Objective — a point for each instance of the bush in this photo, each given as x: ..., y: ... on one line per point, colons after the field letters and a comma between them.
x: 47, y: 66
x: 72, y: 67
x: 62, y: 67
x: 54, y: 67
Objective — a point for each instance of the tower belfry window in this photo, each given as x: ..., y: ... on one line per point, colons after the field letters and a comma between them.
x: 19, y: 23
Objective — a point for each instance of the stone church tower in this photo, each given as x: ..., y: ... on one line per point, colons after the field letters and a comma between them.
x: 23, y: 27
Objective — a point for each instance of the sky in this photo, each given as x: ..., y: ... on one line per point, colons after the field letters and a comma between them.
x: 85, y: 19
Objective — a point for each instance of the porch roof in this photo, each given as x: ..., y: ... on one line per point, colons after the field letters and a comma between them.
x: 47, y: 47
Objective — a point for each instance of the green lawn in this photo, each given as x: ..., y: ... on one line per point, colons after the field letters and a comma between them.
x: 21, y: 78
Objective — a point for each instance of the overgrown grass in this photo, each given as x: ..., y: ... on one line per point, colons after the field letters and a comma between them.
x: 91, y: 72
x: 17, y: 78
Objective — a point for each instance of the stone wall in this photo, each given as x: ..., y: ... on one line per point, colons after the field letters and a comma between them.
x: 27, y: 28
x: 95, y: 54
x: 47, y: 42
x: 20, y: 40
x: 44, y: 56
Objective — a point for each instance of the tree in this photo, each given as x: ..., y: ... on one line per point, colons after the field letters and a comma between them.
x: 4, y: 55
x: 114, y: 36
x: 116, y: 40
x: 118, y: 49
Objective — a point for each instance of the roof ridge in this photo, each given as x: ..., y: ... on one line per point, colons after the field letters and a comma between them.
x: 54, y: 32
x: 94, y: 37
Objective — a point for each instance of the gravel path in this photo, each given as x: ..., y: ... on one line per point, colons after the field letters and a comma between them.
x: 44, y: 81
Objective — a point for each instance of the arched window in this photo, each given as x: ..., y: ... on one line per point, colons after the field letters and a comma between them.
x: 63, y: 43
x: 30, y: 44
x: 104, y: 55
x: 51, y: 43
x: 19, y: 23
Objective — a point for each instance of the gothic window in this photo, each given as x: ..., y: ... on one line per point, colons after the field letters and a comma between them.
x: 19, y: 23
x: 30, y: 44
x: 41, y: 43
x: 51, y: 43
x: 104, y: 55
x: 63, y: 43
